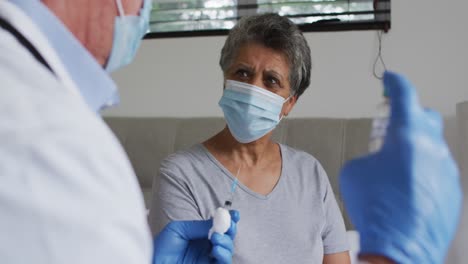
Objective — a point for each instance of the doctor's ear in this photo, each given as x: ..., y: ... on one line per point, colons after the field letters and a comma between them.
x: 224, y: 83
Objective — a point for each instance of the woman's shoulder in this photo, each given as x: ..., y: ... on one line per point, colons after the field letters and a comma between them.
x: 303, y: 163
x: 184, y: 159
x: 297, y: 155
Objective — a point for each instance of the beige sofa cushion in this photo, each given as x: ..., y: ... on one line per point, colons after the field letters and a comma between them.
x: 148, y: 141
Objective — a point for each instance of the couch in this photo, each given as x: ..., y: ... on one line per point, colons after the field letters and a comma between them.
x: 332, y: 141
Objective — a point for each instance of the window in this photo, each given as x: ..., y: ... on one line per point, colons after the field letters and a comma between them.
x: 173, y: 18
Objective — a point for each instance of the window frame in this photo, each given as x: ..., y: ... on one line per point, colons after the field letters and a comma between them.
x: 320, y: 26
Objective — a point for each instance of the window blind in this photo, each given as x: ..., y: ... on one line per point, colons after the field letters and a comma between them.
x: 216, y: 17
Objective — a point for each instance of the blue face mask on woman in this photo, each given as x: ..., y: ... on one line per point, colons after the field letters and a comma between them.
x: 250, y: 111
x: 128, y: 33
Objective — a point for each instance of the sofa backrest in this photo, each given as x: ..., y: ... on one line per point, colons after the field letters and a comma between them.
x: 148, y: 141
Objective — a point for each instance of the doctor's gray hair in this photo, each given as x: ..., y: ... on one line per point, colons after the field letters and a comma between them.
x: 275, y: 32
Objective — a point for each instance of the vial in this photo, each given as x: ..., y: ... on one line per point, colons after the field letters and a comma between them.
x: 379, y: 125
x: 227, y: 204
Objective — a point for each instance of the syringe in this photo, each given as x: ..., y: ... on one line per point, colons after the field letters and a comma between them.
x: 228, y: 202
x: 221, y: 217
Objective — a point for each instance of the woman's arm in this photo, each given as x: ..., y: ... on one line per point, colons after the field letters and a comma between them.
x: 334, y: 237
x: 337, y: 258
x: 172, y: 200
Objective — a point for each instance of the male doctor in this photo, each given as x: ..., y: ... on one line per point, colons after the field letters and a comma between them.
x: 68, y: 193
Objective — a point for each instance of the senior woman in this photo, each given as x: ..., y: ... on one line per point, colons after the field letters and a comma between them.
x: 288, y: 211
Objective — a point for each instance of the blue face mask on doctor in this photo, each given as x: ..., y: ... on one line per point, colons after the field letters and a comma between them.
x: 128, y: 34
x: 250, y: 111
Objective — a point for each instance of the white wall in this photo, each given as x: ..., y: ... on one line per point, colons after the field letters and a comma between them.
x: 428, y: 41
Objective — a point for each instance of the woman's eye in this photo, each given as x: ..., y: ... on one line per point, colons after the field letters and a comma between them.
x: 242, y: 73
x: 273, y: 82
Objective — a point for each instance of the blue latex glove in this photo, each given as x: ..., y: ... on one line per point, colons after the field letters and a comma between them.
x: 187, y: 242
x: 405, y: 199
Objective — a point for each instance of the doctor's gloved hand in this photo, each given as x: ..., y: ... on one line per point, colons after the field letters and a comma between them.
x: 187, y: 242
x: 405, y: 199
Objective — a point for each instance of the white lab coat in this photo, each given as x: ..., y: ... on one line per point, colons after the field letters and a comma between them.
x: 67, y: 191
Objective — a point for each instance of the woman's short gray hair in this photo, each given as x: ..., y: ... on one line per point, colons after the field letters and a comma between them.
x: 276, y: 32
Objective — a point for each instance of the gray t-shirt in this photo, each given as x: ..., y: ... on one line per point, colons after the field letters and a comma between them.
x: 298, y: 222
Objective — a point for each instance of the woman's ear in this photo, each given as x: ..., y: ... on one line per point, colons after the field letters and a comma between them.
x: 289, y: 105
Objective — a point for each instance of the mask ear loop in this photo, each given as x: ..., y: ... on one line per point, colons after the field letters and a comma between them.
x: 120, y: 7
x: 285, y: 100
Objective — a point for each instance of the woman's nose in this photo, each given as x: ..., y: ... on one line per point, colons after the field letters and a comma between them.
x: 257, y: 82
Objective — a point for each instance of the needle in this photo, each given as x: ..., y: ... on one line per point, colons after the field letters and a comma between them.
x: 228, y: 202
